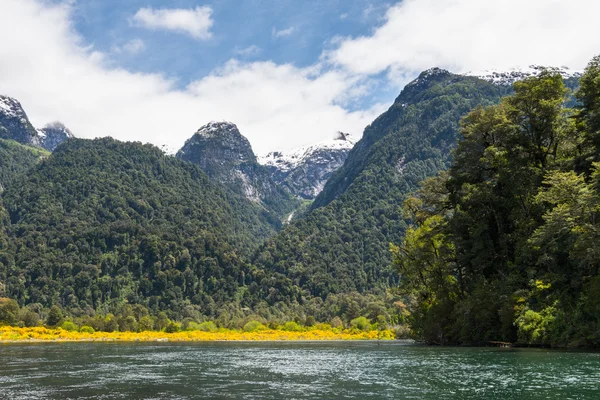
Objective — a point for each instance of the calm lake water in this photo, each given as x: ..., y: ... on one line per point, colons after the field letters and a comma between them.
x: 356, y: 370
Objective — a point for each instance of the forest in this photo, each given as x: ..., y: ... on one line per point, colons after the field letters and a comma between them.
x: 503, y: 245
x: 466, y: 214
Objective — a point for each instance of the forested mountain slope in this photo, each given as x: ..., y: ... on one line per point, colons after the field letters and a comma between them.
x: 343, y: 244
x: 16, y: 159
x: 100, y: 223
x: 226, y: 156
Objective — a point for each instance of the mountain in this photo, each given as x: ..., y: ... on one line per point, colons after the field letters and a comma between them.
x: 15, y: 125
x: 342, y: 245
x: 510, y: 76
x: 16, y: 159
x: 102, y: 223
x: 54, y: 134
x: 227, y: 157
x: 304, y: 171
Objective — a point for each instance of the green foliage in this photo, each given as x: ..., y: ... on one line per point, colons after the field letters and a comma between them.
x: 172, y: 327
x: 337, y: 322
x: 361, y: 323
x: 341, y: 246
x: 55, y: 316
x: 292, y: 326
x: 102, y: 223
x: 504, y: 246
x: 207, y: 326
x: 69, y: 326
x: 9, y: 312
x: 16, y: 159
x: 145, y: 324
x: 87, y: 329
x: 253, y: 326
x: 30, y: 318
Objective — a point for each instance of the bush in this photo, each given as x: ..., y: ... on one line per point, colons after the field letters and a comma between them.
x: 146, y: 323
x: 336, y: 322
x: 381, y: 322
x: 323, y: 327
x: 208, y: 326
x: 55, y: 316
x: 9, y: 312
x: 110, y: 324
x: 172, y: 327
x: 402, y: 332
x: 87, y: 329
x: 127, y: 324
x: 310, y: 321
x: 291, y: 326
x: 30, y: 318
x: 254, y: 326
x: 69, y: 326
x: 361, y: 323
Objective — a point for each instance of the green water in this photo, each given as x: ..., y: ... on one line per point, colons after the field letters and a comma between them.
x: 363, y: 370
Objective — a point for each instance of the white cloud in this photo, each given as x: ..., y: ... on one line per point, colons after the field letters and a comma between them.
x: 133, y: 46
x: 463, y: 35
x: 194, y: 22
x: 248, y: 51
x: 51, y: 71
x: 276, y: 33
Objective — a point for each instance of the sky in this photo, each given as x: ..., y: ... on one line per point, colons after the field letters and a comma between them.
x: 289, y: 73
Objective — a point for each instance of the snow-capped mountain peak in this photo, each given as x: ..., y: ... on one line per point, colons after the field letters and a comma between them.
x: 217, y: 128
x: 15, y: 125
x: 286, y: 161
x: 510, y: 76
x: 10, y: 107
x: 304, y: 171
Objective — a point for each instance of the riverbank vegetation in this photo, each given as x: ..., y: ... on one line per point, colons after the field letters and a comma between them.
x: 504, y: 245
x: 135, y: 323
x: 15, y: 334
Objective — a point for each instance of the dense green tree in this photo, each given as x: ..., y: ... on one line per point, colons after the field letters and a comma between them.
x: 55, y: 316
x: 502, y: 247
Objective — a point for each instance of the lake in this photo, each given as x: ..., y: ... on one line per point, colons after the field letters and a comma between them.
x: 292, y: 370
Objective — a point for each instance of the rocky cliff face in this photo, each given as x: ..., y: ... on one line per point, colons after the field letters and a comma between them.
x: 54, y: 134
x: 15, y: 125
x: 227, y: 156
x: 304, y: 171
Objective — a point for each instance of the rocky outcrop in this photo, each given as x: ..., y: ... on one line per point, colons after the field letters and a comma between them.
x: 54, y: 134
x: 227, y: 156
x: 304, y: 171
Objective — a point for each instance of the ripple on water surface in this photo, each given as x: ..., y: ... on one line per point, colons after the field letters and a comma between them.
x: 344, y: 370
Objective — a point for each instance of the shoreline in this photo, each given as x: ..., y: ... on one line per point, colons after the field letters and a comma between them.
x: 48, y: 335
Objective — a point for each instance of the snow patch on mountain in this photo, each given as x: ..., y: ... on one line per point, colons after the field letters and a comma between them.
x: 510, y: 76
x: 304, y: 171
x: 294, y: 158
x: 11, y: 108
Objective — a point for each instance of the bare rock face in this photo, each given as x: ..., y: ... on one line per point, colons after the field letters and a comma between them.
x: 54, y: 134
x: 225, y: 155
x: 304, y: 171
x: 14, y: 124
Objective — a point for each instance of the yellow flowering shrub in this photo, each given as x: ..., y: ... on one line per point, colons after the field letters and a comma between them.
x: 12, y: 334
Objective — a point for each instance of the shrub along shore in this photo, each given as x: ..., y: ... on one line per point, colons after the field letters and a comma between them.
x: 42, y: 334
